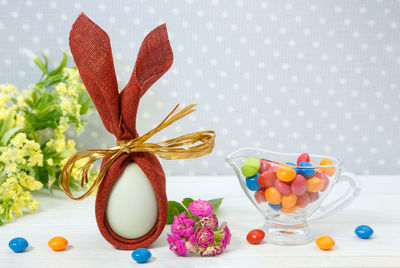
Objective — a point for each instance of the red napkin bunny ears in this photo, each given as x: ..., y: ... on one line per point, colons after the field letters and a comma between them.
x: 91, y: 50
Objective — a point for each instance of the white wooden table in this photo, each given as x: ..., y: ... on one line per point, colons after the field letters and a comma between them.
x: 377, y: 206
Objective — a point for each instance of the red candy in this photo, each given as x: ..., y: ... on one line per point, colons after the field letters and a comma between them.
x: 260, y: 196
x: 324, y: 178
x: 282, y: 187
x: 303, y: 157
x: 255, y: 236
x: 267, y: 179
x: 264, y: 166
x: 299, y: 185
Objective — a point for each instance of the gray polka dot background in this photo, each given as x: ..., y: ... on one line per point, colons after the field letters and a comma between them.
x: 289, y: 76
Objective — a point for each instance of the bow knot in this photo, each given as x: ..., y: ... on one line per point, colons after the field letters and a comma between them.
x: 191, y: 145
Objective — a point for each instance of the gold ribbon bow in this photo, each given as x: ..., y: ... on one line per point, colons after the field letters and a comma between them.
x: 178, y: 148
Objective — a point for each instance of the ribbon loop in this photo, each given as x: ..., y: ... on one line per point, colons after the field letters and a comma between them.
x: 191, y: 145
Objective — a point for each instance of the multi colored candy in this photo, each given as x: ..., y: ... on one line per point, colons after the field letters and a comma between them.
x: 287, y: 187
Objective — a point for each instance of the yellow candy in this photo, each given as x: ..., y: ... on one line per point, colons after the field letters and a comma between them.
x: 58, y: 243
x: 329, y: 170
x: 325, y: 242
x: 314, y: 185
x: 289, y: 200
x: 286, y: 174
x: 273, y: 196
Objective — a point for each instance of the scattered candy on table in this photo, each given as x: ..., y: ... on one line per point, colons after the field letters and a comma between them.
x: 255, y: 236
x: 325, y: 242
x: 18, y: 244
x: 58, y: 243
x: 364, y: 231
x: 141, y: 255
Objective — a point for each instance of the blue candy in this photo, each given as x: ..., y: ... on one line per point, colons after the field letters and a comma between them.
x: 364, y: 231
x: 18, y: 244
x: 275, y: 207
x: 307, y: 172
x: 293, y: 164
x: 252, y: 182
x: 141, y: 255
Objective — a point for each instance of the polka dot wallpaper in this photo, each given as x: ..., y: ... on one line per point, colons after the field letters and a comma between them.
x: 291, y: 76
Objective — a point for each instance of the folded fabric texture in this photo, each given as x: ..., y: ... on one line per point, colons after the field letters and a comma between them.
x: 91, y: 50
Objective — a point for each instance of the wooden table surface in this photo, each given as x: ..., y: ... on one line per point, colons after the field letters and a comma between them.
x: 378, y: 206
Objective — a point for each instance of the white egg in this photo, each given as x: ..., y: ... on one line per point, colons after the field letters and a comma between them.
x: 132, y: 209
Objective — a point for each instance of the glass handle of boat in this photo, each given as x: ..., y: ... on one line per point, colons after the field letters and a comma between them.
x: 353, y: 190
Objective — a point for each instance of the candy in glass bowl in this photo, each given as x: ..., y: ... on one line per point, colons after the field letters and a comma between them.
x: 289, y: 189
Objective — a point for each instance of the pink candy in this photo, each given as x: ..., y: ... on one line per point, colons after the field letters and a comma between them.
x: 264, y: 166
x: 313, y: 197
x: 299, y: 185
x: 303, y: 157
x: 282, y: 187
x: 324, y: 178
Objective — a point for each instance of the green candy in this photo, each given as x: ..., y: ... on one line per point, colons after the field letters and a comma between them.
x: 250, y: 167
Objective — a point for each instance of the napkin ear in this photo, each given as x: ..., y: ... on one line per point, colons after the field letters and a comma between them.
x: 154, y: 59
x: 91, y: 50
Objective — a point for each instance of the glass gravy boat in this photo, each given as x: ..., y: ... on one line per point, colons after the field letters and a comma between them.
x: 289, y: 226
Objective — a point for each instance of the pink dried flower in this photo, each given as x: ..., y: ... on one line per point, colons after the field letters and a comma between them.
x: 211, y: 251
x: 191, y: 247
x: 201, y: 208
x: 227, y: 237
x: 177, y: 245
x: 209, y: 222
x: 182, y: 225
x: 203, y: 237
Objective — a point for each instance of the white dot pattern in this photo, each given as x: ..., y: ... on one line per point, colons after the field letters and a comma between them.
x: 281, y: 75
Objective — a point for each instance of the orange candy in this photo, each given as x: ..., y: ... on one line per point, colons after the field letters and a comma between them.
x: 325, y: 242
x: 286, y: 174
x: 58, y: 243
x: 329, y: 170
x: 289, y: 210
x: 289, y: 200
x: 273, y: 196
x: 314, y: 185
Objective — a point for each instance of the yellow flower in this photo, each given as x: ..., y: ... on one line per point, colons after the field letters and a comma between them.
x: 66, y: 105
x: 61, y: 88
x: 20, y: 120
x: 71, y: 145
x: 59, y: 143
x: 63, y: 125
x: 50, y: 162
x: 18, y: 140
x: 33, y: 205
x: 5, y: 155
x: 4, y: 113
x: 11, y: 167
x: 35, y: 159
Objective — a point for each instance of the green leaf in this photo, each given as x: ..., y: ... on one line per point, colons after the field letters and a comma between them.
x: 174, y: 207
x: 9, y: 134
x: 40, y: 65
x: 216, y: 203
x: 186, y: 202
x: 62, y: 64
